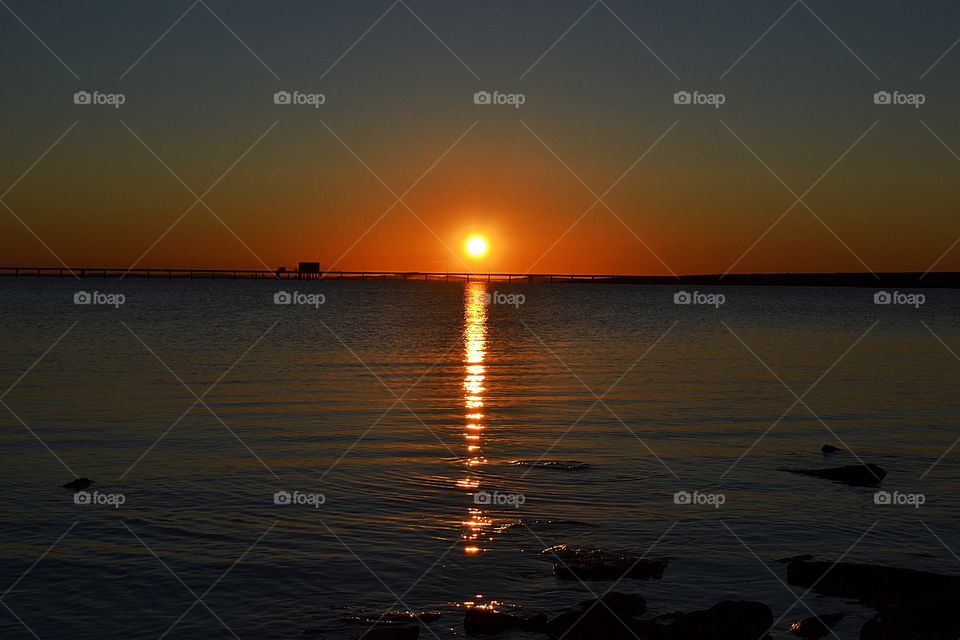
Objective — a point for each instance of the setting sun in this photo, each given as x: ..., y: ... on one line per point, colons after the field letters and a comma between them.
x: 477, y: 246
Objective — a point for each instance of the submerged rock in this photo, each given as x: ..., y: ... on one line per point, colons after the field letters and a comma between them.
x: 858, y: 475
x: 874, y: 585
x: 565, y: 465
x: 593, y: 620
x: 79, y: 484
x: 829, y: 448
x: 930, y: 617
x: 816, y: 626
x: 728, y: 620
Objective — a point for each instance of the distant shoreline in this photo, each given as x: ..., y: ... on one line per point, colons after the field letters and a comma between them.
x: 901, y: 280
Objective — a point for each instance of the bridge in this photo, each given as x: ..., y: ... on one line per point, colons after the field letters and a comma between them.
x: 902, y: 280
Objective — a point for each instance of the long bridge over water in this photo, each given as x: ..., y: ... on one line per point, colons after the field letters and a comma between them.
x: 867, y: 279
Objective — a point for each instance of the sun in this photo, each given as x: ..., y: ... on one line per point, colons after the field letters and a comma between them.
x: 477, y: 246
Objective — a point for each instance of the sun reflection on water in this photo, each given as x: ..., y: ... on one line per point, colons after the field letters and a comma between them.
x: 474, y: 381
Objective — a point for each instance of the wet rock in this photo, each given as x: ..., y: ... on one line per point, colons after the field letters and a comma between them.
x: 623, y: 604
x: 728, y: 620
x: 927, y: 617
x: 827, y: 449
x: 857, y: 475
x: 391, y: 632
x: 608, y: 568
x: 483, y: 621
x: 79, y: 484
x: 874, y: 585
x: 564, y: 465
x: 816, y: 626
x: 592, y: 622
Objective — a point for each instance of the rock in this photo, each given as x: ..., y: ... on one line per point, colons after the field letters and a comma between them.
x: 874, y: 585
x: 829, y: 448
x: 79, y: 484
x: 603, y: 567
x: 483, y: 621
x: 926, y: 617
x: 622, y: 604
x: 876, y: 630
x: 816, y: 626
x: 391, y: 632
x: 590, y: 623
x: 857, y: 475
x: 728, y: 620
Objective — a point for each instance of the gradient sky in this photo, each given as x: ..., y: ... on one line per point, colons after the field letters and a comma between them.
x: 399, y: 99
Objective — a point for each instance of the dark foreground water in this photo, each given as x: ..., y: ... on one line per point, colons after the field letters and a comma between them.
x: 400, y: 406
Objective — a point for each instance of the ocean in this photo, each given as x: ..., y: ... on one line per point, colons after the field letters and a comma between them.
x: 278, y: 458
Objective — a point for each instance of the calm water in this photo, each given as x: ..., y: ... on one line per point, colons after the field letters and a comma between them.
x: 305, y: 399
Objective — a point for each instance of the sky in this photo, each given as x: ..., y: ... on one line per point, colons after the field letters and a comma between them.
x: 597, y: 171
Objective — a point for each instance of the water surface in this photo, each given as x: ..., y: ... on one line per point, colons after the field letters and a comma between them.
x: 399, y: 402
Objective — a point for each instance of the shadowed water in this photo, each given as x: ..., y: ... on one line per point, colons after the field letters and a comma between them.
x: 401, y: 403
